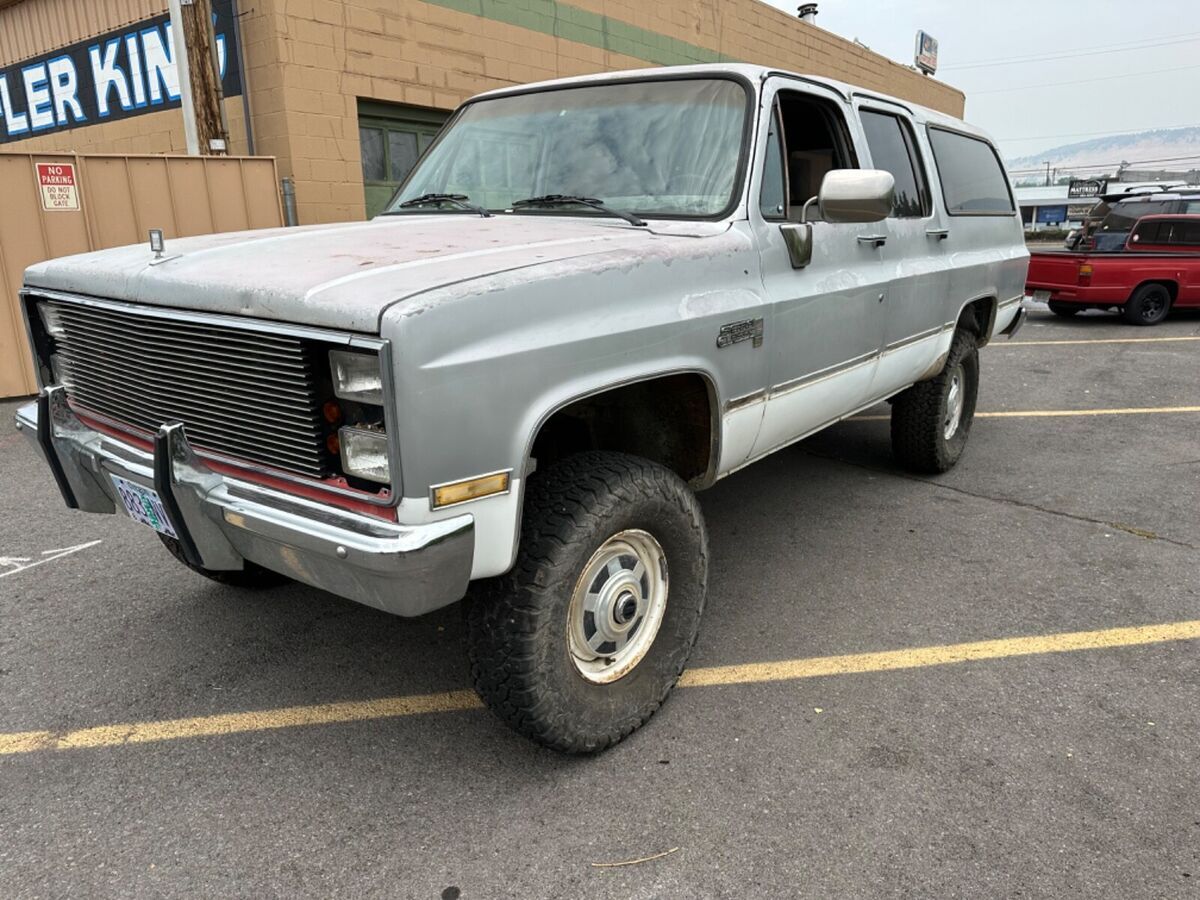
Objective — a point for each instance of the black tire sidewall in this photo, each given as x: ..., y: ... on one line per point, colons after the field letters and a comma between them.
x: 624, y: 703
x: 517, y: 624
x: 1134, y: 309
x: 965, y: 353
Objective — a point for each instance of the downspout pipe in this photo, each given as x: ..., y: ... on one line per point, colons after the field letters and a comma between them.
x: 179, y: 51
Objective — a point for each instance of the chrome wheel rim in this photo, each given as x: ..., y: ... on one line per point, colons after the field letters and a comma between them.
x: 617, y: 606
x: 954, y: 403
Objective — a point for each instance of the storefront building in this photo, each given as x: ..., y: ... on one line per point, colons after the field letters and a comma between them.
x: 346, y: 95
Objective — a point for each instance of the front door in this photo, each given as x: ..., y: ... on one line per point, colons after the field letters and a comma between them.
x: 827, y: 319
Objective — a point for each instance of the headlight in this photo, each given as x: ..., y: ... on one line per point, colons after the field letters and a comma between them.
x: 365, y: 454
x: 356, y: 376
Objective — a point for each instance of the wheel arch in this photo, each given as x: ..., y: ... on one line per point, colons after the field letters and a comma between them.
x: 1171, y: 285
x: 978, y: 316
x: 690, y: 382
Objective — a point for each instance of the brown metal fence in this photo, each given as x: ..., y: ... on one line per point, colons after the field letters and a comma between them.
x: 56, y: 204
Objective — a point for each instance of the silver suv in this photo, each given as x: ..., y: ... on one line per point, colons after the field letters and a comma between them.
x: 591, y: 298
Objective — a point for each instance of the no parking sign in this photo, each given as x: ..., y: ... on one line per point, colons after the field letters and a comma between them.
x: 58, y: 187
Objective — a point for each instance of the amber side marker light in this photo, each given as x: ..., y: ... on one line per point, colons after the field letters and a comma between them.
x: 472, y: 489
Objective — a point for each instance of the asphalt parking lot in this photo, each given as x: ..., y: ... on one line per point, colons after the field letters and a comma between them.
x: 1045, y: 767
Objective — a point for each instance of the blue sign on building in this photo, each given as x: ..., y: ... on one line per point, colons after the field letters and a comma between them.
x: 115, y: 76
x: 1051, y: 215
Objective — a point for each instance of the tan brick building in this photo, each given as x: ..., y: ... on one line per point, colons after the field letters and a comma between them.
x: 347, y: 94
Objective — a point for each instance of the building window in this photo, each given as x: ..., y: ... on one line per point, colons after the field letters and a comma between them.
x: 392, y: 139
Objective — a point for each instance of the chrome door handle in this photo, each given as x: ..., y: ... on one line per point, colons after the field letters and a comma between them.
x: 940, y: 233
x: 875, y: 240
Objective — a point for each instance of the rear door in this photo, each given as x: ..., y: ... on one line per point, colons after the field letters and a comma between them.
x: 915, y: 252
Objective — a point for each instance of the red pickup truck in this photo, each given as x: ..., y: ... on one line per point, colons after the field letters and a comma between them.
x: 1157, y: 269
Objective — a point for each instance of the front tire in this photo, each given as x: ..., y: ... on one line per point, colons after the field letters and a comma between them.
x: 1149, y: 305
x: 932, y: 420
x: 580, y: 643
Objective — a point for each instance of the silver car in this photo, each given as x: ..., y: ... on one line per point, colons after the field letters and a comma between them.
x: 591, y: 298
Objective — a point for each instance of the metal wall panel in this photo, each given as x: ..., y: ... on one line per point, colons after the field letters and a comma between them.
x: 31, y: 28
x: 120, y: 199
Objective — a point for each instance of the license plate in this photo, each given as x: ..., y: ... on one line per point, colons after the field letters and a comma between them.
x: 1041, y: 296
x: 143, y: 505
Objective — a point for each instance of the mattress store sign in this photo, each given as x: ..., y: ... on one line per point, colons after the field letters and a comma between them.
x: 115, y: 76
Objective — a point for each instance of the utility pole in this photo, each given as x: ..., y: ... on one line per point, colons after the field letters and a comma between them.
x: 199, y: 76
x: 1047, y: 173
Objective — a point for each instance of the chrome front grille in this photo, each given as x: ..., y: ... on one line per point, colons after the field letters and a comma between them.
x: 246, y: 394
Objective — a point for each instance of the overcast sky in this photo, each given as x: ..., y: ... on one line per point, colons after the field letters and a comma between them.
x: 999, y: 97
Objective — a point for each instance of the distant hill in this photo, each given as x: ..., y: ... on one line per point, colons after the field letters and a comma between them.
x: 1109, y: 151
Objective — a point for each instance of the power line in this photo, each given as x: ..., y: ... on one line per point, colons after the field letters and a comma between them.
x: 1105, y: 165
x: 1046, y: 137
x: 1145, y: 44
x: 1029, y: 87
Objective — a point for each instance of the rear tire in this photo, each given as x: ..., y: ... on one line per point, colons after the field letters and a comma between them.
x: 932, y: 420
x: 252, y: 577
x: 580, y: 643
x: 1066, y: 310
x: 1149, y: 305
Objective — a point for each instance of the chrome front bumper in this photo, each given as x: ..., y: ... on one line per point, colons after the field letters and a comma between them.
x: 222, y: 522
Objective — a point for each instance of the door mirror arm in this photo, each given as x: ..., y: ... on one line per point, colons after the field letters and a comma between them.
x: 798, y: 237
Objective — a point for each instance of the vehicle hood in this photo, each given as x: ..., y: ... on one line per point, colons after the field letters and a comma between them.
x: 344, y: 276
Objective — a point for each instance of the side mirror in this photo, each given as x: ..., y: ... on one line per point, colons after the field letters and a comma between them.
x: 856, y: 195
x: 847, y: 195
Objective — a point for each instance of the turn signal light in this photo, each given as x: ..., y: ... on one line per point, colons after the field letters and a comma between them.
x: 473, y: 489
x: 1085, y: 273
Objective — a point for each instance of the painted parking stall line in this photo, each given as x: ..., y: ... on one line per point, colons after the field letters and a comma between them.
x: 120, y: 735
x: 11, y: 565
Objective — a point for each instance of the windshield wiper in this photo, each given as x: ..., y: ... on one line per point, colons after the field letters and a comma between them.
x: 568, y: 199
x: 462, y: 201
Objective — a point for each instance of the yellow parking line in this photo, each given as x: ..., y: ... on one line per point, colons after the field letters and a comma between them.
x: 1052, y: 413
x: 787, y: 670
x: 452, y: 701
x: 1149, y: 340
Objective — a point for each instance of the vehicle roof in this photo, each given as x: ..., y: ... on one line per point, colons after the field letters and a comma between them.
x: 755, y: 74
x: 1170, y: 217
x: 1163, y: 197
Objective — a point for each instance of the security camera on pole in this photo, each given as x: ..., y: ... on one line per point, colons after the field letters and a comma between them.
x: 199, y: 77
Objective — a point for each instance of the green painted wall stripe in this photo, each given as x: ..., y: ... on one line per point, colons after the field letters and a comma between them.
x: 574, y: 24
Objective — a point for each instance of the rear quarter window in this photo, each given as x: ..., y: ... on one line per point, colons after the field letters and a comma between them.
x: 973, y: 181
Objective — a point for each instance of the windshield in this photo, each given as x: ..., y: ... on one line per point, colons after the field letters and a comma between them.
x: 1122, y: 216
x: 656, y: 148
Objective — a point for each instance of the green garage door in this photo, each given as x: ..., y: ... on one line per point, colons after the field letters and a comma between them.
x: 392, y: 138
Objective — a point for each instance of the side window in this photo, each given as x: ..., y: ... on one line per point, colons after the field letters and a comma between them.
x: 973, y: 182
x: 893, y: 149
x: 1191, y: 207
x: 815, y: 141
x: 1151, y: 233
x: 1186, y: 234
x: 772, y: 199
